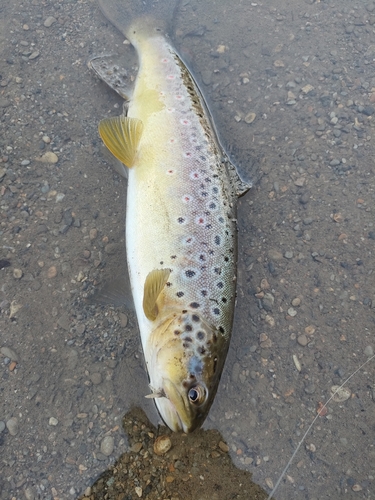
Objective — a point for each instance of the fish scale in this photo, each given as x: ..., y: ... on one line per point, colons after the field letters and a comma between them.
x: 181, y: 236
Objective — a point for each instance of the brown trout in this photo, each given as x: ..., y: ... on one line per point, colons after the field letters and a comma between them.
x: 181, y: 233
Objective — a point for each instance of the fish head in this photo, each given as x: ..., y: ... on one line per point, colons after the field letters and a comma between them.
x: 186, y: 361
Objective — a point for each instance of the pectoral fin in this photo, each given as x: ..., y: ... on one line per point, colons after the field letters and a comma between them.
x: 154, y: 284
x: 121, y: 135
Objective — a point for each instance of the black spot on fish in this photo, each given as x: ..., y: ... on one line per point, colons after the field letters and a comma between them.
x: 202, y: 257
x: 204, y: 194
x: 188, y: 339
x: 208, y: 226
x: 212, y: 205
x: 173, y: 256
x: 188, y: 328
x: 194, y: 305
x: 200, y: 335
x: 221, y: 219
x: 226, y: 259
x: 221, y: 329
x: 220, y: 284
x: 201, y: 350
x: 190, y: 273
x: 217, y: 270
x: 180, y: 220
x: 180, y: 294
x: 214, y: 338
x: 215, y: 190
x: 223, y: 299
x: 204, y: 293
x: 177, y: 332
x: 216, y: 311
x: 195, y: 318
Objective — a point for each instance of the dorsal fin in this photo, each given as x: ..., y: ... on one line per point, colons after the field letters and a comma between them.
x: 121, y: 135
x: 154, y: 284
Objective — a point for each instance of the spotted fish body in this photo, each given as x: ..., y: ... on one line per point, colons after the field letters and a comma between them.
x: 180, y: 230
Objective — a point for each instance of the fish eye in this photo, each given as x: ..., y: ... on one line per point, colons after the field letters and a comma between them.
x: 197, y: 395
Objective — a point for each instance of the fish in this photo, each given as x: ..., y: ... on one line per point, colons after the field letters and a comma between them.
x: 181, y: 226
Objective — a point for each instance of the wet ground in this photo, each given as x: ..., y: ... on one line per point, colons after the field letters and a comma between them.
x: 292, y: 88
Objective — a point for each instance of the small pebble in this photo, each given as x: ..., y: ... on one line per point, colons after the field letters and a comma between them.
x: 2, y: 426
x: 52, y: 272
x: 49, y: 157
x: 10, y: 353
x: 107, y: 445
x: 307, y: 221
x: 136, y: 448
x: 357, y: 487
x: 49, y: 21
x: 59, y: 197
x: 223, y: 446
x: 369, y: 351
x: 296, y: 362
x: 93, y: 234
x: 34, y: 55
x: 292, y: 312
x: 96, y: 378
x: 162, y: 445
x: 296, y: 302
x: 17, y: 273
x: 12, y: 426
x: 123, y: 319
x: 53, y: 421
x: 288, y: 255
x: 302, y: 340
x: 138, y: 490
x: 269, y: 483
x: 340, y: 394
x: 309, y: 330
x: 250, y: 117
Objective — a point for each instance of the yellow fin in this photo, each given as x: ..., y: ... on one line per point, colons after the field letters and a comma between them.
x: 154, y: 284
x: 121, y: 135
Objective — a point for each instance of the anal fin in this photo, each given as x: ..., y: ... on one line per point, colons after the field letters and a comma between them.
x: 109, y: 69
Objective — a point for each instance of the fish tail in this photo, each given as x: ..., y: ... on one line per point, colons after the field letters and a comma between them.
x: 140, y: 16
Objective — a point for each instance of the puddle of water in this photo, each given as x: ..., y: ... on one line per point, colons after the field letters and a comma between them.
x: 305, y: 315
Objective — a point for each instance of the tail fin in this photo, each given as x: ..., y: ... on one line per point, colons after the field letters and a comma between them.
x: 155, y: 15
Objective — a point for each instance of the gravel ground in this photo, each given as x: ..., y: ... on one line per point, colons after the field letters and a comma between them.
x: 291, y: 84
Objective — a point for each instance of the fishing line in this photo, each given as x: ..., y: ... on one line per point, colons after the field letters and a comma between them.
x: 312, y: 424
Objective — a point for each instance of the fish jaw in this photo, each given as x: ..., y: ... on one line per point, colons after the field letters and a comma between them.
x: 184, y: 367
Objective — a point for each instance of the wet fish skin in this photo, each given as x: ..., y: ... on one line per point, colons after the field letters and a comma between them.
x: 181, y: 233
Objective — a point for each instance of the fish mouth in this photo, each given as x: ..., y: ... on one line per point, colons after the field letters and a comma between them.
x: 174, y: 410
